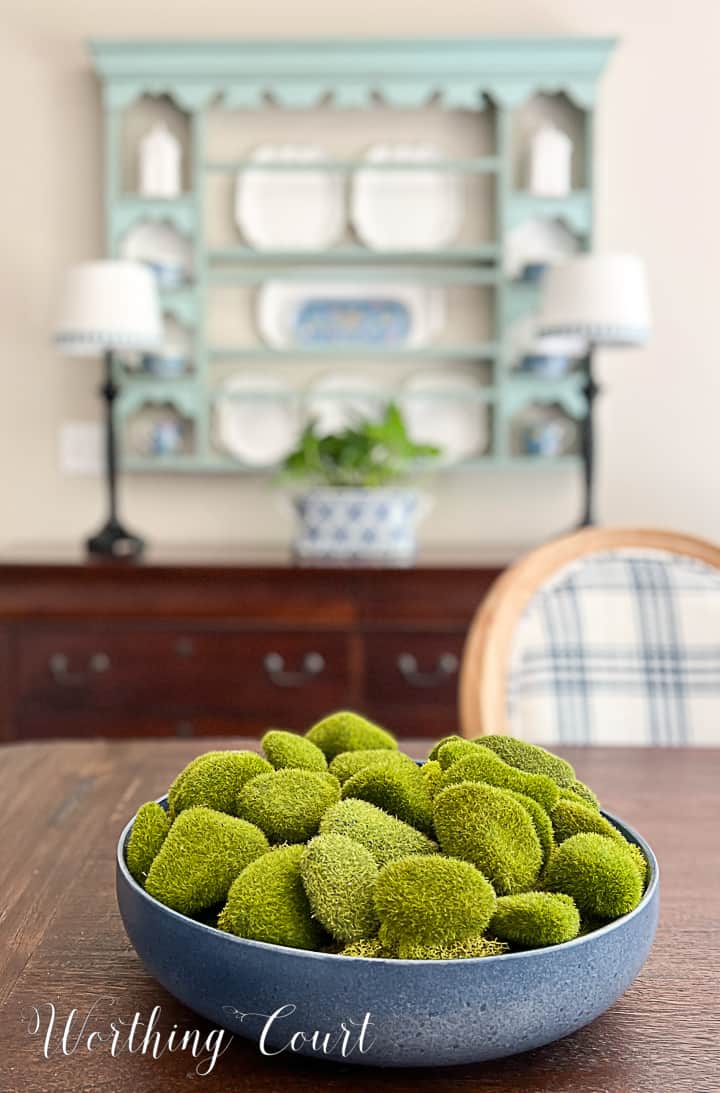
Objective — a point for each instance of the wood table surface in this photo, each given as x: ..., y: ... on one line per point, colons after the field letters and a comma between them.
x: 62, y: 941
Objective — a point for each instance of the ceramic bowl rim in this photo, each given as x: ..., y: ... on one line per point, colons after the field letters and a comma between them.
x: 526, y: 954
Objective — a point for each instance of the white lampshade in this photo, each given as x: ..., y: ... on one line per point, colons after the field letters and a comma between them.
x: 106, y: 306
x: 601, y: 297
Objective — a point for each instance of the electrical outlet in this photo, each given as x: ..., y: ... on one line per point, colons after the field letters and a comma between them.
x: 81, y: 447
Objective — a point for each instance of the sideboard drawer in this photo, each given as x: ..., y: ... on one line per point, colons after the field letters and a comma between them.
x: 415, y: 668
x: 286, y: 676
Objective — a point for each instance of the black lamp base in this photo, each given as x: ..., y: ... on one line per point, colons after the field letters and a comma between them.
x: 113, y: 541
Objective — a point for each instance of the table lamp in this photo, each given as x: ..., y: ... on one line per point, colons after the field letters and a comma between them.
x: 603, y: 298
x: 109, y: 307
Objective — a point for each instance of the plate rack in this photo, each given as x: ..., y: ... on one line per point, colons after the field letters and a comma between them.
x: 214, y: 87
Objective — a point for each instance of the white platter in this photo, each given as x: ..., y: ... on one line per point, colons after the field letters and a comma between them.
x: 539, y: 241
x: 162, y: 247
x: 286, y: 209
x: 279, y: 303
x: 419, y: 209
x: 256, y: 419
x: 340, y: 400
x: 443, y: 408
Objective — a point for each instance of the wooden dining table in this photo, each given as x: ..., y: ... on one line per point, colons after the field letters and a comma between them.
x: 66, y: 964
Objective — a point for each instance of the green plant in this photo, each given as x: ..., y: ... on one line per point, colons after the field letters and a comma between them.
x: 339, y: 877
x: 267, y: 902
x: 535, y: 919
x: 198, y: 861
x: 149, y: 832
x: 600, y: 874
x: 347, y: 731
x: 490, y: 828
x: 386, y: 837
x: 289, y: 803
x: 287, y: 749
x: 369, y: 454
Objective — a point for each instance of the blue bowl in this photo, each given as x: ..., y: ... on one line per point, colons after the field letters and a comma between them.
x: 422, y: 1012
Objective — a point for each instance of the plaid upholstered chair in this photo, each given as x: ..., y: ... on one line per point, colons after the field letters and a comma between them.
x: 607, y: 636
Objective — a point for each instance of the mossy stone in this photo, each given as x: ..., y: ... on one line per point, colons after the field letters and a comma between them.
x: 431, y: 900
x: 400, y: 792
x: 370, y: 948
x: 202, y: 855
x: 599, y: 873
x: 339, y: 877
x: 541, y: 822
x: 386, y: 837
x: 529, y: 757
x: 288, y: 749
x: 435, y: 749
x: 432, y: 774
x: 453, y: 750
x: 288, y: 804
x: 487, y: 826
x: 149, y: 832
x: 347, y: 731
x: 267, y: 902
x: 579, y: 789
x: 484, y: 766
x: 469, y: 948
x: 348, y: 763
x: 571, y: 817
x: 535, y: 919
x: 214, y: 780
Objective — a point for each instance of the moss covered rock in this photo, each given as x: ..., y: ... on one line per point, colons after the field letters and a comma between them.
x: 370, y: 948
x: 484, y: 766
x: 288, y: 749
x: 432, y: 774
x: 490, y: 828
x: 529, y: 757
x: 453, y: 750
x: 214, y: 780
x: 435, y: 749
x: 470, y: 947
x: 579, y: 790
x: 535, y: 919
x: 386, y: 837
x: 149, y: 832
x: 288, y: 804
x: 347, y: 731
x: 541, y: 822
x: 599, y: 873
x: 431, y: 900
x: 339, y: 878
x: 198, y: 861
x: 348, y: 763
x: 571, y: 817
x: 267, y: 902
x: 401, y: 792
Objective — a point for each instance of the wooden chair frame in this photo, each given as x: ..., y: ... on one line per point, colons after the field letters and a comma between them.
x: 486, y: 656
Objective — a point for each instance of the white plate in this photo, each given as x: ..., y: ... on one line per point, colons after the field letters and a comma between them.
x: 286, y: 209
x: 340, y: 400
x: 280, y: 302
x: 419, y: 209
x: 161, y: 246
x: 538, y: 240
x: 256, y: 420
x: 443, y: 408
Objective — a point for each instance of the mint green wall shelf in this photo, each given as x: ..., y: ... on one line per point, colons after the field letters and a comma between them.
x: 493, y: 77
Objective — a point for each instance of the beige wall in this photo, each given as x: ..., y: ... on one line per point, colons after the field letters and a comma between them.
x: 659, y: 168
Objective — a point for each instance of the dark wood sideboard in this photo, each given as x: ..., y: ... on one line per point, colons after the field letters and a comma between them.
x: 182, y: 646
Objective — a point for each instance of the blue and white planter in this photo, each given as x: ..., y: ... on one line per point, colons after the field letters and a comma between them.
x: 345, y: 523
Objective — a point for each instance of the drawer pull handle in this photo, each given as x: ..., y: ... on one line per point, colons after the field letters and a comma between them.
x: 312, y: 665
x: 445, y: 668
x: 59, y: 669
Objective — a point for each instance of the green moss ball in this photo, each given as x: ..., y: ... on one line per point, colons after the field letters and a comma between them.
x: 579, y: 789
x: 214, y: 780
x: 470, y: 947
x: 203, y: 853
x: 490, y: 828
x: 453, y: 750
x: 435, y: 749
x: 339, y: 877
x: 149, y: 832
x: 570, y: 818
x: 287, y: 749
x: 541, y: 822
x: 432, y: 774
x: 535, y: 919
x: 267, y: 902
x: 529, y: 757
x: 288, y: 804
x: 386, y: 837
x: 484, y: 766
x: 370, y: 948
x: 348, y: 763
x: 431, y: 900
x: 347, y: 731
x: 400, y: 792
x: 599, y: 873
